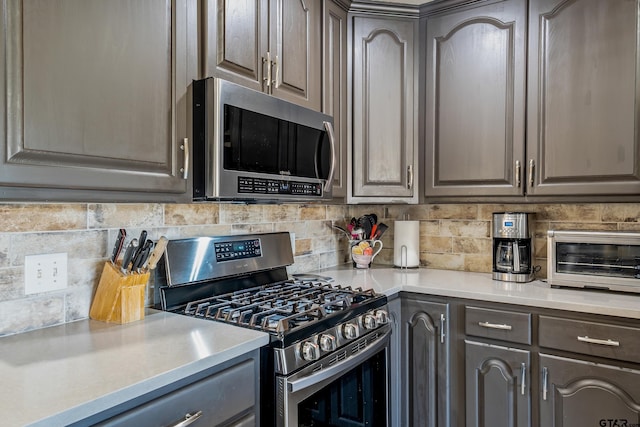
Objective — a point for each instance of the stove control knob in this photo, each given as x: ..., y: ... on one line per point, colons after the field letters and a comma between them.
x: 382, y: 317
x: 310, y: 351
x: 369, y: 321
x: 350, y: 331
x: 327, y: 342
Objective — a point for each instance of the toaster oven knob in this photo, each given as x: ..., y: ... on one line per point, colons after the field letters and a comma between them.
x: 382, y: 317
x: 350, y: 331
x: 327, y: 342
x: 369, y: 321
x: 310, y: 351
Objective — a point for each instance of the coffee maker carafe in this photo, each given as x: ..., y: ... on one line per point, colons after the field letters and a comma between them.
x: 513, y: 255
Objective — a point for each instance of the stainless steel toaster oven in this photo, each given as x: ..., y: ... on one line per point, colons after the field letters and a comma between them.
x: 594, y: 260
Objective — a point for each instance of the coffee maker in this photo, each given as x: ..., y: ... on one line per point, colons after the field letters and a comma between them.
x: 513, y: 255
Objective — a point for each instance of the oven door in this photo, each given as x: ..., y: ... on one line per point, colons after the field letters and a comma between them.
x: 351, y: 391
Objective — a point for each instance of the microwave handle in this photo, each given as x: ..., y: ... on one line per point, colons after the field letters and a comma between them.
x: 329, y: 127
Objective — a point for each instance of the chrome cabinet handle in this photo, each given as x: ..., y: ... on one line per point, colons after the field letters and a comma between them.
x: 608, y: 342
x: 332, y: 141
x: 545, y: 379
x: 532, y: 165
x: 523, y: 372
x: 518, y: 173
x: 409, y: 177
x: 267, y: 80
x: 442, y: 322
x: 188, y: 419
x: 187, y: 158
x: 276, y: 81
x: 503, y: 326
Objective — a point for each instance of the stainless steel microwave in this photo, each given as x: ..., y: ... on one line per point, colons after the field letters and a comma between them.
x: 248, y: 145
x: 594, y: 260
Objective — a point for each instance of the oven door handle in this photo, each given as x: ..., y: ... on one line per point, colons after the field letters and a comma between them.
x: 340, y: 368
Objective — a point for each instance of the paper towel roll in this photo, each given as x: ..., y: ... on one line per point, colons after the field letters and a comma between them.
x: 406, y: 244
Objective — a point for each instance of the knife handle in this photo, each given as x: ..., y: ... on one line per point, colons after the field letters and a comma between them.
x: 161, y: 245
x: 128, y: 255
x: 122, y: 233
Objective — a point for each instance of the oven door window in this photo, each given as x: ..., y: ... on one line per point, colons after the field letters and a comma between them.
x: 358, y: 398
x: 255, y: 142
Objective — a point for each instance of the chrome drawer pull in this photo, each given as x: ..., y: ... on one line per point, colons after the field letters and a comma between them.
x: 545, y: 379
x: 611, y: 343
x: 495, y: 326
x: 189, y: 419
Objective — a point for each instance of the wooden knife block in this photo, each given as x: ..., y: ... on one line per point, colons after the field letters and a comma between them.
x: 119, y: 297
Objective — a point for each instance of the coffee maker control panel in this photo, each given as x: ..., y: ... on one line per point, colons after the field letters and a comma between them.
x: 511, y: 226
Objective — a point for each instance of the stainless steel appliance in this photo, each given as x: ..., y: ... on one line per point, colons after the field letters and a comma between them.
x: 513, y: 252
x: 594, y: 260
x: 250, y: 145
x: 327, y: 341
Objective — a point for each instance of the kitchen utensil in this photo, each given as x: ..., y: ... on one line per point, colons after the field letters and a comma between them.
x: 153, y: 259
x: 337, y: 227
x: 382, y: 227
x: 117, y: 248
x: 128, y: 255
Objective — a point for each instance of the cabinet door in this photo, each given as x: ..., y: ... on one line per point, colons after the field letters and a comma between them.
x: 95, y: 98
x: 425, y: 335
x: 335, y: 87
x: 577, y: 393
x: 396, y: 364
x: 236, y: 41
x: 475, y: 88
x: 498, y: 387
x: 384, y: 145
x: 583, y: 97
x: 295, y: 44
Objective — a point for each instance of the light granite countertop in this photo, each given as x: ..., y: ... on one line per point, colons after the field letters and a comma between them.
x: 62, y: 374
x: 480, y: 286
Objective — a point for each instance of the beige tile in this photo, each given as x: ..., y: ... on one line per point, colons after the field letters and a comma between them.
x: 252, y: 228
x: 542, y: 272
x: 621, y: 212
x: 339, y: 213
x: 436, y: 244
x: 329, y: 259
x: 481, y: 263
x: 622, y: 226
x: 443, y: 261
x: 191, y: 214
x: 310, y: 212
x: 465, y: 228
x: 327, y: 243
x: 42, y: 217
x: 299, y: 228
x: 417, y: 212
x: 430, y: 228
x: 5, y: 243
x: 77, y: 244
x: 31, y: 313
x: 77, y: 304
x: 569, y: 212
x: 303, y: 247
x: 11, y: 283
x: 193, y: 231
x: 125, y: 215
x: 241, y: 214
x: 466, y: 245
x: 592, y: 226
x: 540, y: 229
x: 540, y: 248
x: 319, y: 229
x: 281, y: 213
x: 453, y: 211
x: 304, y: 264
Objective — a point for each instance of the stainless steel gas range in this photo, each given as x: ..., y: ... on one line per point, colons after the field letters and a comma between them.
x: 328, y: 357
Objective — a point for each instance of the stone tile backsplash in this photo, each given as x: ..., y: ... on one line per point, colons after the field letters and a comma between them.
x: 452, y: 236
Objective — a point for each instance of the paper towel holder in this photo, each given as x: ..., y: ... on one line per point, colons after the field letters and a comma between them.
x: 406, y: 244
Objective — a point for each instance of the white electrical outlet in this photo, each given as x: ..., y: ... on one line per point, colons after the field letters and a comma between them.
x: 44, y: 273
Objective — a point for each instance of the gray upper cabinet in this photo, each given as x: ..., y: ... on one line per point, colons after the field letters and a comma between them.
x: 272, y: 46
x: 334, y: 94
x: 474, y: 112
x: 94, y: 99
x: 383, y: 157
x: 583, y: 97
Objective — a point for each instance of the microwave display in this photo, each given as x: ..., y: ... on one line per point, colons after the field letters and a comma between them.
x: 259, y: 143
x: 598, y: 259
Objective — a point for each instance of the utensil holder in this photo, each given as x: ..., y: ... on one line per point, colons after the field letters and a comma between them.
x: 119, y: 297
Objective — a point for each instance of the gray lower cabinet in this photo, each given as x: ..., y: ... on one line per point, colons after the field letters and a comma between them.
x: 426, y: 363
x: 384, y: 149
x: 577, y: 393
x: 228, y: 397
x: 274, y: 46
x: 395, y: 367
x: 94, y: 99
x: 498, y: 390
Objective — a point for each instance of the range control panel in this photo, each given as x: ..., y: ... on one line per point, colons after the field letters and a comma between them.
x: 248, y: 185
x: 227, y: 251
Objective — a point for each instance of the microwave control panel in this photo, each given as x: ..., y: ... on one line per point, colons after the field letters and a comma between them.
x: 228, y: 251
x: 247, y: 185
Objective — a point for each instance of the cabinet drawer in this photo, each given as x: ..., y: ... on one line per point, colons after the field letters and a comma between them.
x: 596, y: 339
x: 498, y: 324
